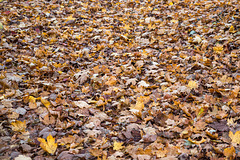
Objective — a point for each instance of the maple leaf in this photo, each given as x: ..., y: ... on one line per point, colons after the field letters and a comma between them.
x: 235, y: 137
x: 117, y: 145
x: 192, y: 84
x: 19, y: 126
x: 230, y: 153
x: 49, y: 146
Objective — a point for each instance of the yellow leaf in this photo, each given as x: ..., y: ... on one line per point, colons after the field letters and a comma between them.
x: 229, y: 152
x: 117, y: 145
x: 139, y: 106
x: 32, y: 102
x: 232, y: 29
x: 49, y: 146
x: 196, y: 142
x: 218, y: 48
x: 19, y: 126
x: 104, y: 10
x: 89, y: 29
x: 70, y: 18
x: 235, y: 137
x: 126, y: 27
x: 171, y: 3
x: 45, y: 102
x: 192, y: 84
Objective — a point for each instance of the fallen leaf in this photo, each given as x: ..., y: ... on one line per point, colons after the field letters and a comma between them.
x: 81, y: 104
x: 192, y: 84
x: 32, y: 102
x: 111, y: 81
x: 22, y: 157
x: 196, y: 142
x: 232, y: 29
x: 230, y: 153
x: 45, y: 102
x: 117, y: 145
x: 19, y: 126
x: 220, y: 126
x: 218, y: 48
x: 49, y: 146
x: 235, y: 137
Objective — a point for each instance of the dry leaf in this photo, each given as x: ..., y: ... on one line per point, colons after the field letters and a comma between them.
x: 81, y: 104
x: 111, y: 81
x: 230, y: 153
x: 192, y: 84
x: 45, y: 102
x: 32, y: 102
x: 49, y: 146
x: 117, y: 145
x: 19, y: 126
x: 235, y: 137
x: 232, y: 29
x: 22, y: 157
x: 197, y: 142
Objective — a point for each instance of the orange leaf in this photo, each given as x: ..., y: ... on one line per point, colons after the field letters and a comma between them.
x: 49, y: 146
x: 230, y: 153
x: 218, y: 48
x: 111, y: 81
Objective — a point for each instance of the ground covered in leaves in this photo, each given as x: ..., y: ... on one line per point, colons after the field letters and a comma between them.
x: 119, y: 79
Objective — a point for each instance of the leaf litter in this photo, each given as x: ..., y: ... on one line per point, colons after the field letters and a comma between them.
x: 119, y: 79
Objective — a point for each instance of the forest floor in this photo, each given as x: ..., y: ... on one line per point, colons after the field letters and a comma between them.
x: 119, y: 79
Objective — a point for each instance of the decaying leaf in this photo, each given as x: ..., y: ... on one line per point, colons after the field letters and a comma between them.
x: 129, y: 79
x: 49, y: 146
